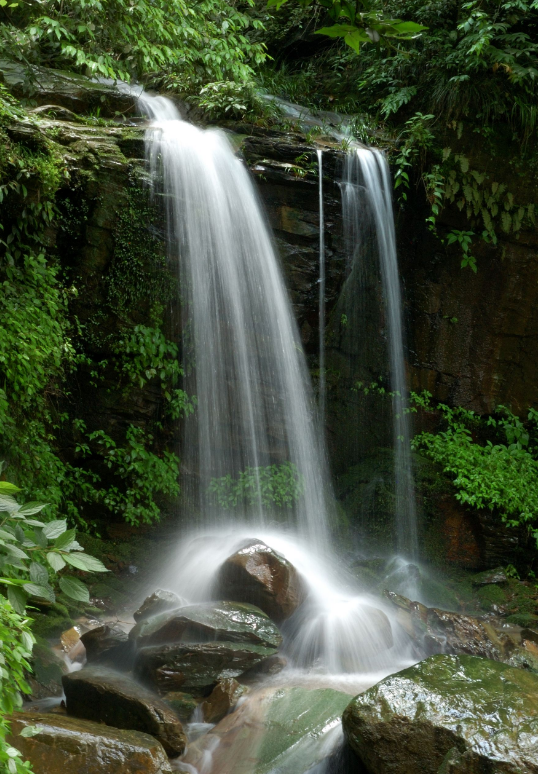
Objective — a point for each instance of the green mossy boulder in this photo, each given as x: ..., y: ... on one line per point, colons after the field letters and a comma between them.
x: 288, y: 730
x: 230, y: 621
x: 457, y: 714
x: 196, y: 667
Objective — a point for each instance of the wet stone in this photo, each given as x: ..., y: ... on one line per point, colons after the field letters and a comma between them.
x: 108, y: 697
x: 221, y: 700
x: 206, y: 622
x: 257, y: 574
x: 156, y: 603
x: 183, y: 704
x: 196, y: 668
x: 66, y: 744
x: 448, y: 714
x: 109, y: 645
x: 490, y: 577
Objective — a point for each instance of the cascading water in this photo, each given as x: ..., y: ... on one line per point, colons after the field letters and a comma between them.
x: 255, y: 409
x: 249, y: 376
x: 322, y: 379
x: 367, y: 169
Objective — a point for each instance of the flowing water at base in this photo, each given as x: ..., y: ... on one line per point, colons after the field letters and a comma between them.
x: 255, y: 410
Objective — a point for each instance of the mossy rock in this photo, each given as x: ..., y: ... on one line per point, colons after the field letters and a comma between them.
x: 527, y: 620
x: 491, y: 595
x: 50, y: 625
x: 448, y: 714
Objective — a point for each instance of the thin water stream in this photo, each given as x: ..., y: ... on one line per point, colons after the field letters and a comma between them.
x: 255, y: 410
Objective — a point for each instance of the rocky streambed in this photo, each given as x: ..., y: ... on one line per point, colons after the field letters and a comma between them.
x: 206, y: 688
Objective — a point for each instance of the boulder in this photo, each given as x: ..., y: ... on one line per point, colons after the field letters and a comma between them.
x: 288, y: 730
x: 108, y: 697
x: 230, y: 621
x: 221, y: 700
x: 109, y: 644
x: 197, y: 667
x: 457, y: 714
x: 442, y: 631
x: 51, y: 87
x: 259, y: 575
x: 490, y: 576
x: 156, y: 603
x: 67, y: 744
x: 181, y: 703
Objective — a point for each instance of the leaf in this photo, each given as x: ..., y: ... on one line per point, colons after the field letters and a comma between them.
x: 8, y: 503
x: 38, y: 590
x: 85, y: 562
x: 338, y: 31
x: 7, y: 488
x: 74, y: 588
x: 55, y: 528
x: 40, y: 538
x: 28, y: 509
x: 17, y: 599
x: 65, y: 539
x: 15, y: 551
x: 29, y: 731
x: 39, y: 573
x: 56, y: 561
x: 408, y: 28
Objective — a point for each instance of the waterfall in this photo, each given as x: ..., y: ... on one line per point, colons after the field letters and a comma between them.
x: 367, y: 169
x: 322, y: 379
x: 255, y: 425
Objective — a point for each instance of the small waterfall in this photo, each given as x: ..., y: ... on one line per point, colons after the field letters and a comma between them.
x: 322, y: 378
x: 367, y: 171
x: 255, y: 423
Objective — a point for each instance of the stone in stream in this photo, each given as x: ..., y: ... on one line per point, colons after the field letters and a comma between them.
x: 76, y: 746
x: 288, y: 730
x: 109, y: 644
x: 105, y: 696
x: 156, y: 603
x: 222, y: 699
x: 181, y: 703
x: 457, y: 714
x: 229, y: 621
x: 257, y: 574
x: 196, y: 667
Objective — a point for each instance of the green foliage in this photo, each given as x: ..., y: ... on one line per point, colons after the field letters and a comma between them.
x: 360, y: 21
x: 492, y: 462
x: 274, y: 485
x: 33, y: 557
x: 16, y: 642
x: 226, y: 99
x: 206, y: 40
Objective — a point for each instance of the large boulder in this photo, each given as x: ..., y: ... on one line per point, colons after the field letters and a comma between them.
x: 288, y: 730
x: 156, y: 603
x: 66, y: 744
x: 108, y: 697
x: 457, y: 714
x: 257, y: 574
x: 206, y: 622
x: 196, y: 667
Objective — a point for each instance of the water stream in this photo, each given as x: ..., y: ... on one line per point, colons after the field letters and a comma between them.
x: 322, y: 378
x: 367, y: 171
x: 255, y: 410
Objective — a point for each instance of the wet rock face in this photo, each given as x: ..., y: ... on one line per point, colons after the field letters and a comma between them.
x: 442, y: 631
x: 455, y: 714
x: 67, y: 744
x: 196, y: 668
x: 105, y: 696
x: 108, y: 645
x: 259, y: 575
x: 285, y: 729
x: 221, y: 700
x: 183, y: 704
x: 230, y: 621
x: 156, y: 603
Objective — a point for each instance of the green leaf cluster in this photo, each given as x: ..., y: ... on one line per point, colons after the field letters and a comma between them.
x: 278, y: 486
x: 126, y: 39
x: 492, y: 461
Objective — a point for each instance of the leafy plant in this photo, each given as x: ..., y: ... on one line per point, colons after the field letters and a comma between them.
x: 33, y: 557
x: 493, y: 461
x: 274, y: 485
